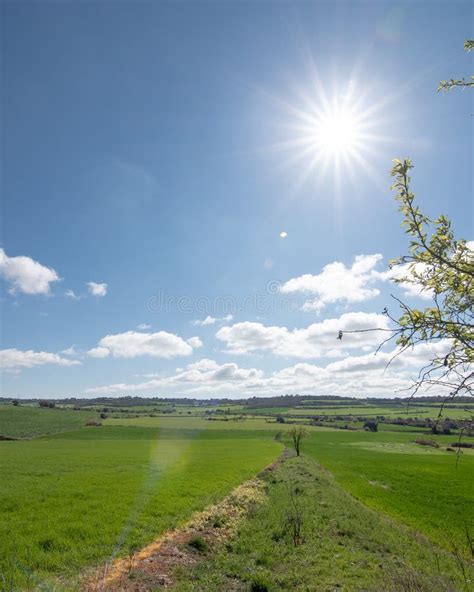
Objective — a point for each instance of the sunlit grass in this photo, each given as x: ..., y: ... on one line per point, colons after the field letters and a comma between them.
x: 79, y: 498
x: 424, y: 490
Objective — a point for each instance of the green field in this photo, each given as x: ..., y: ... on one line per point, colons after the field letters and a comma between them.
x: 388, y: 411
x: 420, y: 486
x: 72, y: 497
x: 29, y: 421
x: 342, y: 546
x: 77, y: 498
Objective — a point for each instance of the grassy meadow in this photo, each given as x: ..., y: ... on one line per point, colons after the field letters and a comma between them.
x: 340, y: 545
x: 420, y: 486
x: 78, y: 498
x: 73, y: 497
x: 28, y: 421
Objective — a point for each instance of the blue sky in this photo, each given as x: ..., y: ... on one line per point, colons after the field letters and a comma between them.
x: 154, y: 152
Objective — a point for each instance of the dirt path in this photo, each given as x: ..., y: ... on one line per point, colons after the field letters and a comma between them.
x: 154, y: 565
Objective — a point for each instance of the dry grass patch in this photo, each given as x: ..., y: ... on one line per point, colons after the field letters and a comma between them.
x: 155, y: 564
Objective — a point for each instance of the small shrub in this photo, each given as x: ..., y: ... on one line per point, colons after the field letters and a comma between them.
x: 198, y: 544
x: 47, y: 404
x: 426, y: 442
x: 93, y: 423
x: 371, y: 426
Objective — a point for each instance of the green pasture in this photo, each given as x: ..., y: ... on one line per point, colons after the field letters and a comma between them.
x: 81, y: 497
x: 78, y: 497
x: 215, y: 423
x: 420, y: 486
x: 343, y: 545
x: 29, y: 421
x: 396, y: 410
x: 402, y: 411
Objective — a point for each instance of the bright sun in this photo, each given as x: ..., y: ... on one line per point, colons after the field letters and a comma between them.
x: 336, y: 133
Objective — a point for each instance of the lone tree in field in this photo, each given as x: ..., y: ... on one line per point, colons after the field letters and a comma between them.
x: 371, y: 426
x: 441, y: 266
x: 297, y: 434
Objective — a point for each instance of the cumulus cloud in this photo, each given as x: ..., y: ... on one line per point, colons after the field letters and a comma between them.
x: 355, y: 375
x: 364, y: 375
x: 70, y: 351
x: 15, y: 359
x: 195, y: 342
x: 337, y: 283
x: 143, y: 327
x: 26, y: 275
x: 413, y: 357
x: 358, y: 283
x: 96, y: 289
x: 98, y: 352
x: 316, y: 340
x: 204, y: 374
x: 410, y: 287
x: 212, y: 320
x: 133, y: 344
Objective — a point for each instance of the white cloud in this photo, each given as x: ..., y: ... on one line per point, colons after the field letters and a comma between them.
x: 23, y: 274
x: 212, y: 320
x: 143, y: 327
x: 207, y: 377
x: 337, y: 283
x: 97, y: 289
x: 364, y: 363
x: 356, y: 376
x: 317, y: 340
x: 98, y: 352
x: 410, y: 287
x: 195, y: 342
x: 70, y: 351
x: 71, y: 294
x: 132, y: 344
x: 14, y: 359
x: 413, y: 357
x: 204, y: 374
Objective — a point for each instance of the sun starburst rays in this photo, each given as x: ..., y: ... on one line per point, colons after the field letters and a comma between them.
x: 337, y: 136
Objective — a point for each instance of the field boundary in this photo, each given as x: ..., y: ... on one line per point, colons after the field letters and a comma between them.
x: 154, y: 564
